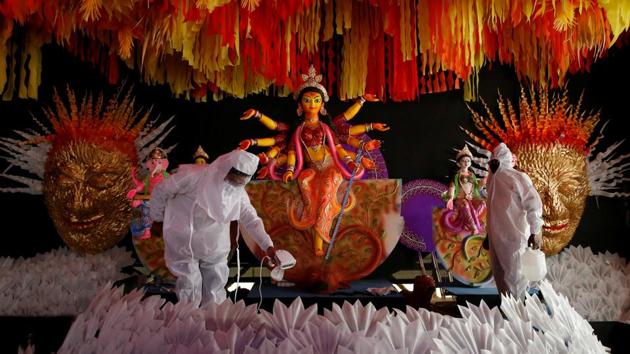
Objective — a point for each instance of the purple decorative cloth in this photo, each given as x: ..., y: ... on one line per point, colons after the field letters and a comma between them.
x: 418, y: 200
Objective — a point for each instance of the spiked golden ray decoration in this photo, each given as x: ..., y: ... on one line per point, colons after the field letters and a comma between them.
x: 542, y: 121
x: 113, y: 127
x: 550, y: 138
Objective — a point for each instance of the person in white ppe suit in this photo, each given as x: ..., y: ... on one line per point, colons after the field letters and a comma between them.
x: 194, y: 207
x: 514, y: 220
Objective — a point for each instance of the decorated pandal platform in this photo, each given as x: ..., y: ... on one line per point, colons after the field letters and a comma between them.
x: 366, y: 236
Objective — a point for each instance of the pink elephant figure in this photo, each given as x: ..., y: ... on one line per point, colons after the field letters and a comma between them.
x: 156, y: 164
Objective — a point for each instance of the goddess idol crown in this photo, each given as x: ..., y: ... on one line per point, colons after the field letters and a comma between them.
x: 311, y: 80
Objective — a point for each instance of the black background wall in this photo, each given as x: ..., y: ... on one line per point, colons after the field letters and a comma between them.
x: 419, y: 144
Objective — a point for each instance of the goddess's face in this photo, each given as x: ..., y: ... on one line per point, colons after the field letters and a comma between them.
x: 560, y: 177
x: 464, y: 162
x: 311, y: 102
x: 85, y: 190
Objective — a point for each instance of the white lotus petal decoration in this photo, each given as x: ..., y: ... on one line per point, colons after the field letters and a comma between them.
x: 284, y: 319
x: 362, y: 344
x: 57, y: 283
x: 482, y: 314
x: 567, y: 323
x: 591, y: 307
x: 615, y: 260
x: 266, y: 347
x: 236, y: 339
x: 562, y: 331
x: 185, y: 332
x: 470, y: 336
x: 430, y: 320
x: 222, y: 316
x: 129, y: 324
x: 356, y: 317
x: 195, y: 348
x: 597, y: 285
x: 559, y: 273
x: 411, y: 336
x: 322, y: 336
x: 602, y: 269
x: 520, y: 333
x: 171, y: 313
x: 287, y: 347
x: 579, y: 253
x: 512, y: 308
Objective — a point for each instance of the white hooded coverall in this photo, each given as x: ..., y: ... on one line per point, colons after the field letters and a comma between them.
x: 196, y: 205
x: 514, y: 213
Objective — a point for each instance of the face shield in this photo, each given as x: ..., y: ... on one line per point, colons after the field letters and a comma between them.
x: 237, y: 178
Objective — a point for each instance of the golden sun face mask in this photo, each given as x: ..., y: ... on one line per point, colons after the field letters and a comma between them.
x: 550, y: 137
x: 85, y: 188
x: 559, y: 174
x: 83, y: 167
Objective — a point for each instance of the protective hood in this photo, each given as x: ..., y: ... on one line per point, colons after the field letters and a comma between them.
x: 219, y: 198
x: 504, y: 155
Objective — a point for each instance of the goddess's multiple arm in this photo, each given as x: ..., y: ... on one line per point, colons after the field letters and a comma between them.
x: 348, y: 133
x: 280, y: 152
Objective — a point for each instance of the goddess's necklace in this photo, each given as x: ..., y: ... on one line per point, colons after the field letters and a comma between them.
x: 315, y: 147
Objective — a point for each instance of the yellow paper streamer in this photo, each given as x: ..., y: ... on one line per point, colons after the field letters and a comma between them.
x: 6, y: 30
x: 618, y: 13
x: 354, y: 66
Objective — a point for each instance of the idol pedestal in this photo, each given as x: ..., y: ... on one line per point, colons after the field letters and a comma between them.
x: 356, y: 292
x: 474, y: 295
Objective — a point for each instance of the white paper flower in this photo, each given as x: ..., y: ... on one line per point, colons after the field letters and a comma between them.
x: 57, y: 283
x: 322, y: 336
x: 520, y: 333
x: 283, y: 319
x: 236, y: 340
x: 461, y: 338
x: 363, y: 344
x: 597, y: 285
x: 186, y: 332
x: 482, y: 314
x: 223, y: 316
x: 119, y: 323
x: 564, y: 322
x: 430, y: 320
x: 356, y: 317
x: 266, y: 347
x: 410, y: 336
